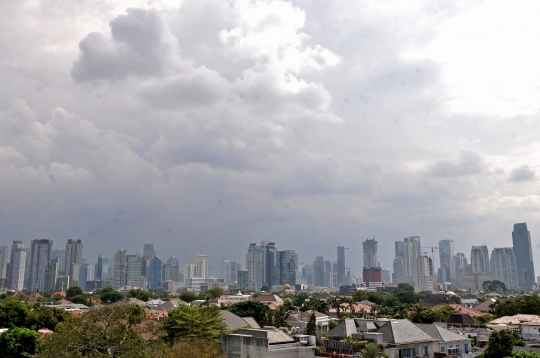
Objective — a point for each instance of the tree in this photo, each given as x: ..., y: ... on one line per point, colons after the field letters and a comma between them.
x: 188, y: 296
x: 500, y: 345
x: 188, y: 348
x: 74, y: 291
x: 109, y: 295
x: 45, y: 317
x: 335, y: 303
x: 140, y: 294
x: 13, y: 313
x: 214, y: 292
x: 416, y: 316
x: 255, y: 309
x: 81, y: 299
x: 278, y: 317
x: 194, y: 322
x: 494, y: 285
x: 525, y: 354
x: 109, y: 331
x: 370, y: 350
x: 19, y: 342
x: 311, y: 327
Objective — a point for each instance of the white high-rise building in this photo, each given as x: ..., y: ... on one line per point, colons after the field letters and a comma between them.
x: 411, y: 250
x: 256, y: 262
x: 480, y: 260
x: 73, y: 257
x: 504, y: 266
x: 203, y: 266
x: 17, y: 264
x: 4, y: 258
x: 423, y: 274
x: 190, y: 271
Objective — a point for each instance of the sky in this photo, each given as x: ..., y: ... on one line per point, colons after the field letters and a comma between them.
x: 202, y: 125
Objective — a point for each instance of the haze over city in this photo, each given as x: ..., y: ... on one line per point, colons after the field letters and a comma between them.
x: 203, y: 126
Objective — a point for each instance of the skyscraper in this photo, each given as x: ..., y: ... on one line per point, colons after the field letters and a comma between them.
x: 287, y: 267
x: 271, y: 265
x: 73, y: 257
x: 120, y: 269
x: 18, y: 264
x: 446, y: 252
x: 423, y: 274
x: 190, y: 271
x: 460, y: 267
x: 4, y: 258
x: 61, y: 256
x: 503, y: 266
x: 399, y: 248
x: 341, y: 266
x: 40, y: 255
x: 134, y: 268
x: 203, y: 266
x: 256, y: 264
x: 399, y: 269
x: 411, y: 250
x: 521, y: 240
x: 51, y: 275
x: 148, y: 250
x: 318, y: 271
x: 102, y: 269
x: 370, y: 253
x: 480, y: 260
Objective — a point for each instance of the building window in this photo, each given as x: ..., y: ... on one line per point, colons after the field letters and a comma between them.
x: 466, y: 348
x: 405, y: 353
x: 425, y: 349
x: 443, y: 349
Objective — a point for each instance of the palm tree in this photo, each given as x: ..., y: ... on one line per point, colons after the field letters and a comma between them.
x: 416, y: 316
x: 335, y: 302
x: 350, y: 305
x: 371, y: 350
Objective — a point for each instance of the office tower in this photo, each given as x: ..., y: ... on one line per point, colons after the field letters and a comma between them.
x: 327, y: 274
x: 256, y: 265
x: 4, y: 258
x: 504, y: 266
x: 308, y: 274
x: 372, y: 276
x: 423, y: 274
x: 75, y: 273
x: 18, y: 264
x: 148, y: 250
x: 173, y: 260
x: 386, y: 276
x: 521, y: 240
x: 27, y: 268
x: 399, y: 248
x: 62, y: 283
x: 446, y: 252
x: 90, y: 271
x: 287, y: 267
x: 190, y: 271
x: 243, y: 280
x: 134, y: 271
x: 51, y: 275
x: 230, y: 270
x: 120, y: 269
x: 152, y: 272
x: 40, y: 254
x: 460, y: 267
x: 203, y: 266
x: 61, y: 256
x: 271, y: 265
x: 171, y: 272
x: 480, y: 260
x: 411, y: 250
x: 102, y: 269
x: 370, y: 253
x: 73, y: 257
x: 341, y: 265
x: 81, y: 280
x: 334, y: 274
x: 399, y: 269
x: 318, y: 271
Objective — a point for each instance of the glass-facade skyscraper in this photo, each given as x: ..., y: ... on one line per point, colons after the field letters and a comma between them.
x: 521, y: 240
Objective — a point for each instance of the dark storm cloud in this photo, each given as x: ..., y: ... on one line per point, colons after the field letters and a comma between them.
x: 522, y: 173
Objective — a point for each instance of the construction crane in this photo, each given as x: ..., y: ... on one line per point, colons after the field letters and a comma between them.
x: 433, y: 250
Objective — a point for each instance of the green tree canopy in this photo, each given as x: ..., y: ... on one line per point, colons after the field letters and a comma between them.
x: 109, y: 295
x: 500, y: 345
x: 13, y: 313
x: 140, y: 294
x: 311, y: 327
x: 18, y: 342
x: 494, y: 285
x: 74, y: 291
x: 45, y: 317
x: 188, y: 296
x: 194, y: 322
x: 110, y: 331
x: 525, y: 354
x: 213, y: 293
x: 255, y: 309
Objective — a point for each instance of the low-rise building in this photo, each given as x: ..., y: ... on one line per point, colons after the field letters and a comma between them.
x: 299, y: 321
x: 232, y: 299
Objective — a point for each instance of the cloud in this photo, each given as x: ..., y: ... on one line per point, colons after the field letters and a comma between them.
x: 522, y: 173
x: 469, y: 163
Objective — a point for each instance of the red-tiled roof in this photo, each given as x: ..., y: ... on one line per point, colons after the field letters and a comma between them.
x: 465, y: 310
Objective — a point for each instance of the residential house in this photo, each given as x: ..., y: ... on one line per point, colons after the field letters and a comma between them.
x: 235, y: 322
x: 269, y: 299
x: 446, y: 341
x: 299, y: 321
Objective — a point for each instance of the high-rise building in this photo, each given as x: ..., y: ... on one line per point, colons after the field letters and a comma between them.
x: 399, y: 269
x: 134, y: 269
x: 271, y: 265
x: 372, y: 276
x: 446, y: 252
x: 61, y: 256
x: 460, y: 267
x: 40, y: 255
x: 243, y: 280
x: 102, y: 269
x: 171, y: 272
x: 230, y: 270
x: 203, y: 266
x: 256, y: 265
x: 399, y: 248
x: 386, y: 276
x: 190, y: 271
x: 480, y: 260
x: 73, y: 257
x: 341, y: 266
x: 504, y: 266
x: 287, y: 267
x: 17, y: 266
x: 370, y: 253
x: 51, y: 275
x: 27, y: 268
x: 411, y: 250
x: 4, y: 258
x: 173, y: 260
x: 423, y: 274
x: 318, y: 271
x: 120, y: 269
x: 521, y: 240
x: 148, y: 250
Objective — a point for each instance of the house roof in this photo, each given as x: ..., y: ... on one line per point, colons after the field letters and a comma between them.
x: 172, y: 303
x: 366, y: 302
x: 274, y: 335
x: 251, y: 321
x: 462, y: 309
x: 344, y: 329
x: 268, y: 298
x: 439, y: 333
x: 484, y: 306
x: 324, y: 296
x: 461, y: 318
x: 403, y: 331
x: 235, y: 322
x: 516, y: 319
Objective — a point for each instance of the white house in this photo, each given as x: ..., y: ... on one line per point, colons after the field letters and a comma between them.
x: 530, y: 330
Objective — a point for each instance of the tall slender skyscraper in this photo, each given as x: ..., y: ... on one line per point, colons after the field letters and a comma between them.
x: 120, y: 269
x: 411, y: 250
x: 102, y: 269
x: 287, y: 267
x: 503, y: 266
x: 341, y: 266
x: 521, y: 239
x: 203, y: 266
x: 40, y: 255
x: 460, y: 267
x: 73, y: 257
x: 4, y: 258
x: 446, y: 252
x: 148, y: 250
x: 480, y: 260
x: 370, y: 253
x: 423, y: 274
x: 18, y: 264
x: 399, y: 248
